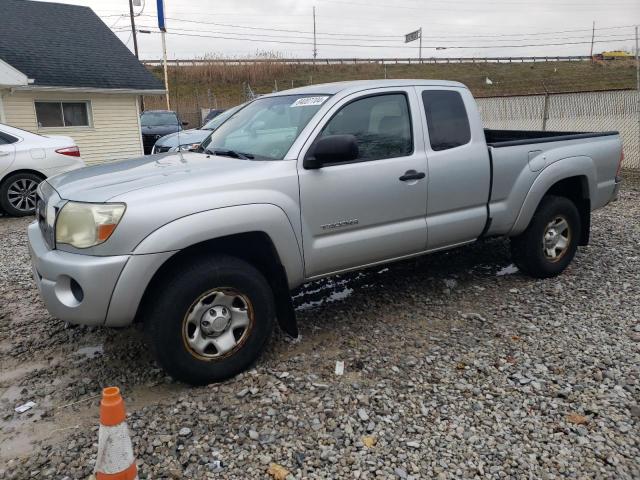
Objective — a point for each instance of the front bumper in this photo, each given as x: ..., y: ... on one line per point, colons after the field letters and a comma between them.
x: 91, y: 290
x: 75, y: 288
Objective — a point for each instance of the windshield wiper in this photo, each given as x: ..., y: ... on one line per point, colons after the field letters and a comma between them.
x: 233, y: 154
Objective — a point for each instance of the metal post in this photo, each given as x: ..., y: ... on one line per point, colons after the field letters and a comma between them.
x: 164, y: 60
x: 315, y: 50
x: 593, y: 34
x: 133, y: 29
x: 545, y: 108
x: 420, y: 47
x: 638, y: 90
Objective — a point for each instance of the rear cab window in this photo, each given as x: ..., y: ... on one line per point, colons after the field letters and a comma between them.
x: 447, y: 119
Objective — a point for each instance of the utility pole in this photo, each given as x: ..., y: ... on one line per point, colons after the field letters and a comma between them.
x: 593, y: 35
x: 164, y: 61
x: 135, y: 43
x: 163, y: 30
x: 315, y: 50
x: 133, y: 29
x: 420, y: 48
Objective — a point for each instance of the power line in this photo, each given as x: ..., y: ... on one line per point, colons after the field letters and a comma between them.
x: 480, y: 8
x: 396, y: 42
x: 458, y: 47
x: 377, y: 35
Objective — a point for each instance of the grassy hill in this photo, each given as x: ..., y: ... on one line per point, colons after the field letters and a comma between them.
x: 208, y: 85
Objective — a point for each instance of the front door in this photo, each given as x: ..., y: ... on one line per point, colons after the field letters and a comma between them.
x: 374, y: 208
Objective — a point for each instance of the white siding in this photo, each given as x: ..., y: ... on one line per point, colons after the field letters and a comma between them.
x: 114, y: 132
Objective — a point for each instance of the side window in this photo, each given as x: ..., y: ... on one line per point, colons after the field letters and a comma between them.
x: 5, y: 138
x: 381, y: 125
x: 447, y: 119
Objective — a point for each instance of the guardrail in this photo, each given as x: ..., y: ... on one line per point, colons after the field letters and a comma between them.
x: 380, y: 61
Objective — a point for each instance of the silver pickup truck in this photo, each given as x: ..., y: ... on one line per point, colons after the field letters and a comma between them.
x: 205, y: 247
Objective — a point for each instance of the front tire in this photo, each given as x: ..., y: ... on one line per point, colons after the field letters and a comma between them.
x: 550, y: 241
x: 18, y: 194
x: 211, y: 319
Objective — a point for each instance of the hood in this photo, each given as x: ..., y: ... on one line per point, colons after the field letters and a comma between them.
x: 182, y: 138
x: 100, y: 183
x: 159, y: 129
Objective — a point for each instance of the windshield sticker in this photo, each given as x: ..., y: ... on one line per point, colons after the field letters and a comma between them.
x: 309, y: 101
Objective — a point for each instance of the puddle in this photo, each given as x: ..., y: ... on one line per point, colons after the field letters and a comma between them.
x: 8, y: 376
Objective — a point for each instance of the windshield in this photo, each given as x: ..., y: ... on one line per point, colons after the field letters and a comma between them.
x: 155, y: 119
x: 216, y: 121
x: 266, y: 128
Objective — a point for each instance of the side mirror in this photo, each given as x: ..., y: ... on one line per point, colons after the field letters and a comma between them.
x: 331, y: 149
x: 184, y: 124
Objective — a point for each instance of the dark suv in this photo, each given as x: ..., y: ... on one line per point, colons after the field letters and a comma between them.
x: 156, y: 124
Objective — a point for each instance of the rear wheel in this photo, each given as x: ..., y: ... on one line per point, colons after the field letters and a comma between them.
x: 18, y: 194
x: 211, y: 320
x: 550, y: 241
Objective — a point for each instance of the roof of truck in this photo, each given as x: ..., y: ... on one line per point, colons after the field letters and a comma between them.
x: 357, y: 85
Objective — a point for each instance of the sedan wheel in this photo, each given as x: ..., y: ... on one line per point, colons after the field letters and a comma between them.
x: 18, y: 194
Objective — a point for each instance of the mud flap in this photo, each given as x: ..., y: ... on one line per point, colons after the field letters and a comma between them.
x: 285, y: 312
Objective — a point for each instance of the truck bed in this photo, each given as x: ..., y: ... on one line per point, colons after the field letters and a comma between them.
x: 509, y: 138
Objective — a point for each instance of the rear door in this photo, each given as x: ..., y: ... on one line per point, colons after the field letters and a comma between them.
x: 7, y: 151
x: 361, y: 212
x: 459, y: 166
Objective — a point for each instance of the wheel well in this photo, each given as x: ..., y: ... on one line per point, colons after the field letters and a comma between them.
x: 254, y: 247
x: 576, y: 189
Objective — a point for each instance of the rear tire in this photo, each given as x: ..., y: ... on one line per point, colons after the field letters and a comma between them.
x: 550, y: 241
x: 211, y: 319
x: 18, y: 194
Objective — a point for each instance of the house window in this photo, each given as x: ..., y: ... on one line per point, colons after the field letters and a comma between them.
x: 62, y: 114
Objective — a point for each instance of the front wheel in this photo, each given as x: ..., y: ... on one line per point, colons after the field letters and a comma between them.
x: 550, y: 241
x: 210, y: 320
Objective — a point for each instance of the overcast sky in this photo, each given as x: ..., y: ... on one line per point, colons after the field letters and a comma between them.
x: 482, y: 27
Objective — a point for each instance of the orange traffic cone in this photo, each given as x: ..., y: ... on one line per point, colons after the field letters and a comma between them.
x: 115, y: 459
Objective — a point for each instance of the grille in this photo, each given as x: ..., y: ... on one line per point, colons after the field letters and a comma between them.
x: 44, y: 207
x: 150, y: 140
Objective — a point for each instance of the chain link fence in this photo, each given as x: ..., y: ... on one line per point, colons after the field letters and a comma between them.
x: 580, y: 112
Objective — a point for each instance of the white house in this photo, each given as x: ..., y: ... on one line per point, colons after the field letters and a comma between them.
x: 64, y: 72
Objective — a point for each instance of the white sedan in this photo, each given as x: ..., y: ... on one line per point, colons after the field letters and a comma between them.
x: 25, y: 160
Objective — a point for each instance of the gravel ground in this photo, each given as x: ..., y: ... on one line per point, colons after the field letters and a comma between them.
x: 456, y: 366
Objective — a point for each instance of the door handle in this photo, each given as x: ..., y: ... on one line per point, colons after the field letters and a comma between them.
x: 411, y: 175
x: 4, y: 154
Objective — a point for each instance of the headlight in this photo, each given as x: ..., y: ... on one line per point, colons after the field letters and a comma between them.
x: 83, y: 225
x: 186, y: 148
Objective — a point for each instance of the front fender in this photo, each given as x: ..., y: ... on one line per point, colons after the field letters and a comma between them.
x: 581, y: 166
x: 211, y: 224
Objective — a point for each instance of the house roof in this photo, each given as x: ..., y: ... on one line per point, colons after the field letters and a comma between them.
x: 60, y: 45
